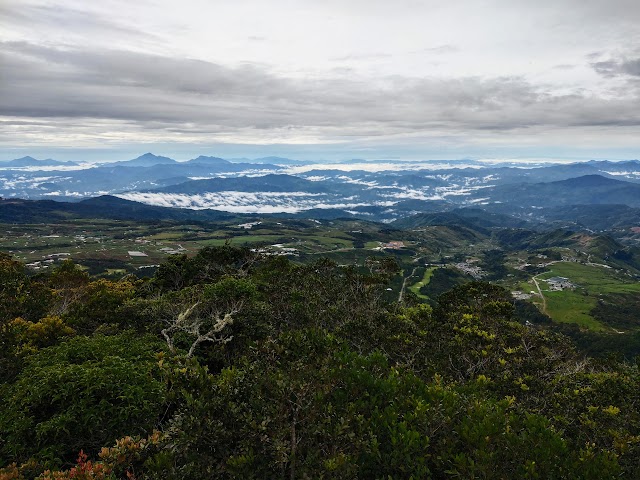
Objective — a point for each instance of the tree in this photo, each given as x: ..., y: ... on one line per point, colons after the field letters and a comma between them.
x: 19, y: 295
x: 304, y: 406
x: 82, y: 394
x: 67, y: 282
x: 206, y: 317
x: 97, y: 304
x: 207, y: 266
x: 20, y: 298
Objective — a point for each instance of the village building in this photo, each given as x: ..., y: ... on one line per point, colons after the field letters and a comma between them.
x: 393, y: 245
x: 559, y: 283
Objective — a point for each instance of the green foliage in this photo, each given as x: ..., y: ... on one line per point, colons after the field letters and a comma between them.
x: 67, y: 282
x: 600, y: 409
x: 620, y: 346
x: 98, y: 305
x: 68, y: 275
x: 493, y: 264
x: 321, y: 294
x: 304, y: 406
x: 13, y: 281
x: 82, y: 394
x: 442, y: 280
x: 619, y: 311
x: 46, y: 332
x: 209, y: 265
x: 527, y: 312
x: 202, y: 315
x: 20, y: 296
x: 301, y: 371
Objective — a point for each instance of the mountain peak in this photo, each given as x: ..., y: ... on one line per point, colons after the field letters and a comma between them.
x: 29, y: 161
x: 207, y: 159
x: 590, y: 181
x: 146, y: 160
x: 148, y: 155
x: 273, y: 160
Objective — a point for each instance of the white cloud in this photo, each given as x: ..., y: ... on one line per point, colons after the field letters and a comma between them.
x: 244, y: 202
x: 371, y: 77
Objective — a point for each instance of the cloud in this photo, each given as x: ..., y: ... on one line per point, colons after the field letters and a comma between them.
x: 244, y: 202
x: 613, y: 68
x: 564, y: 66
x: 73, y: 23
x: 355, y: 57
x: 440, y: 50
x: 464, y: 77
x: 624, y: 63
x: 182, y: 96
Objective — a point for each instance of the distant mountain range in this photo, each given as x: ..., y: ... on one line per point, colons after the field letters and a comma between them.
x: 279, y: 161
x: 202, y: 160
x: 551, y: 195
x: 266, y: 183
x: 587, y: 189
x: 476, y: 218
x: 146, y: 160
x: 32, y: 162
x: 149, y: 160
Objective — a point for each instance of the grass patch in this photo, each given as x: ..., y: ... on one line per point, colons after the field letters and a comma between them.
x: 165, y: 236
x: 426, y: 278
x: 572, y: 307
x: 596, y: 280
x: 242, y: 240
x: 576, y: 306
x: 526, y: 287
x: 114, y: 271
x: 330, y: 241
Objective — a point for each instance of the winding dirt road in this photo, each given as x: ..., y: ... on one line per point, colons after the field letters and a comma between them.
x: 404, y: 284
x: 544, y: 300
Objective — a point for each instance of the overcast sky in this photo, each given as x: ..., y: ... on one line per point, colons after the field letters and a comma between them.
x: 311, y: 79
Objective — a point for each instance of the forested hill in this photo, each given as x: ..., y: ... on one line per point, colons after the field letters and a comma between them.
x: 16, y: 210
x: 229, y: 364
